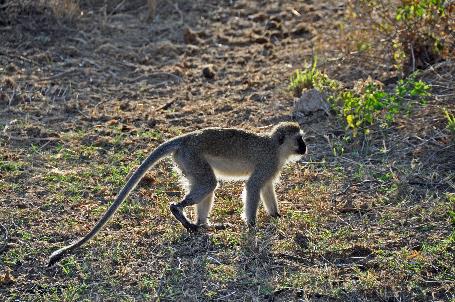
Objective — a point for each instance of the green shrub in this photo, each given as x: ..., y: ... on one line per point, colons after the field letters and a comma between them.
x: 310, y: 78
x: 413, y: 33
x: 367, y: 102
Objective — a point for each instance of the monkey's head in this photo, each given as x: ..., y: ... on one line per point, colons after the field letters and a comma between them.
x: 290, y: 138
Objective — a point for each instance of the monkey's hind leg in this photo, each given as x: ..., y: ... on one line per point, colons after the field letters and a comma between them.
x: 195, y: 196
x: 177, y: 211
x: 202, y: 185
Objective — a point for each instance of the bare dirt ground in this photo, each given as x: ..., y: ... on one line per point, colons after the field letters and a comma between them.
x: 82, y: 101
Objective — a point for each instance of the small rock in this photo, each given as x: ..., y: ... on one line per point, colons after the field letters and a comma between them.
x: 312, y: 100
x: 127, y: 128
x: 192, y: 50
x: 224, y: 108
x: 125, y: 106
x: 302, y: 240
x: 259, y: 17
x: 271, y: 25
x: 11, y: 68
x: 312, y: 106
x: 35, y: 131
x: 259, y: 39
x: 208, y: 72
x: 267, y: 50
x: 9, y: 82
x: 71, y: 51
x: 151, y: 122
x: 190, y: 37
x: 256, y: 97
x: 301, y: 29
x: 7, y: 279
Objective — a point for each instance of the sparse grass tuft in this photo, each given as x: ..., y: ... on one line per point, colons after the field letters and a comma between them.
x: 450, y: 121
x: 311, y: 78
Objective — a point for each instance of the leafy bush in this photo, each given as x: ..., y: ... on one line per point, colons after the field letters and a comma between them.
x: 414, y: 33
x: 367, y: 102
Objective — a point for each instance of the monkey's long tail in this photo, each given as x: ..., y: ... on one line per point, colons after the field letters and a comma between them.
x: 160, y: 152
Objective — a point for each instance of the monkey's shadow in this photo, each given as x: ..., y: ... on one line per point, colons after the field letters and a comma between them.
x: 210, y: 265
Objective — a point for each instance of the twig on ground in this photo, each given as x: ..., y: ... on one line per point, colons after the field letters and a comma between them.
x: 100, y: 103
x: 175, y: 78
x: 179, y: 12
x: 58, y: 75
x: 5, y: 53
x: 118, y: 6
x: 11, y: 98
x: 350, y: 185
x: 27, y: 138
x: 167, y: 105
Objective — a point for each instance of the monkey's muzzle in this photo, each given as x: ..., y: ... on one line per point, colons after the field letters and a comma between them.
x: 301, y: 146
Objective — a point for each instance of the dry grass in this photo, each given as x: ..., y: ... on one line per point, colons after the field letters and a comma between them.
x: 81, y: 106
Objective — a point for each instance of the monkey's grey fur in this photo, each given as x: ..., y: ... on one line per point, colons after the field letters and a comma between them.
x: 216, y: 153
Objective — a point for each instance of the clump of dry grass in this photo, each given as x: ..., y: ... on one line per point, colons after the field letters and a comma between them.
x: 66, y: 9
x: 12, y: 12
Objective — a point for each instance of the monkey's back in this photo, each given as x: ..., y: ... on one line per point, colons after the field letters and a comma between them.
x: 234, y: 144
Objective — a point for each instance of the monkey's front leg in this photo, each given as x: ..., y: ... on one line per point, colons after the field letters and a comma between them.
x: 269, y: 199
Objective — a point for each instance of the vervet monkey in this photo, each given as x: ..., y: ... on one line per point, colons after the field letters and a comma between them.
x: 217, y: 153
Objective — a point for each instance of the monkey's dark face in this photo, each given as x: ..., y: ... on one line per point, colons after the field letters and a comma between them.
x: 301, y: 146
x: 291, y: 141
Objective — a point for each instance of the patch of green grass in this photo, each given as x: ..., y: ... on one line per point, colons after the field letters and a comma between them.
x: 226, y: 238
x: 450, y: 121
x: 150, y: 133
x: 72, y: 185
x: 69, y: 266
x: 73, y: 291
x: 226, y: 206
x: 116, y: 174
x: 4, y: 186
x: 311, y: 78
x: 11, y: 166
x: 307, y: 220
x: 15, y: 256
x: 76, y: 135
x: 132, y: 210
x: 221, y: 272
x: 172, y: 275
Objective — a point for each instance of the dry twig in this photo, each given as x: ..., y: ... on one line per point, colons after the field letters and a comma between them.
x: 58, y: 75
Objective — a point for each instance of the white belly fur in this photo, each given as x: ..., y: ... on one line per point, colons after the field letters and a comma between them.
x: 229, y: 170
